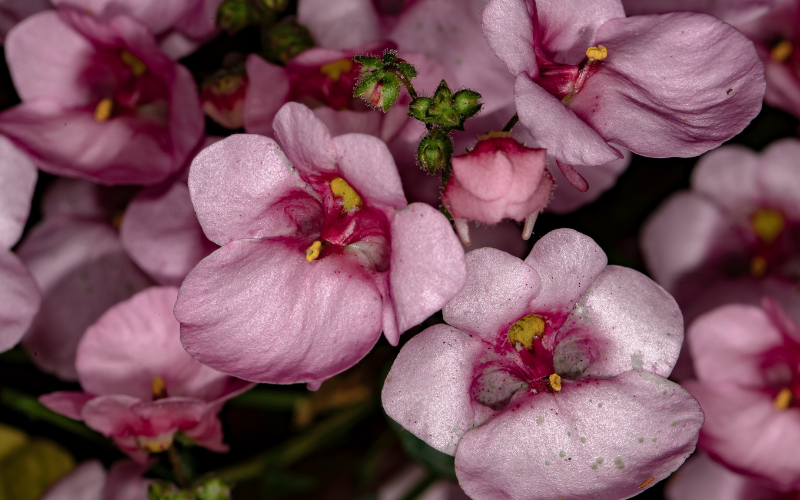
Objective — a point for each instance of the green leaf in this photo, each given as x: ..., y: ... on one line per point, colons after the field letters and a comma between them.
x: 435, y: 461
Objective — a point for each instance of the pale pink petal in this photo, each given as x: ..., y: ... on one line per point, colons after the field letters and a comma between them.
x: 258, y: 310
x: 85, y: 199
x: 14, y: 11
x: 47, y: 59
x: 82, y: 270
x: 366, y: 163
x: 110, y: 415
x: 601, y: 178
x: 783, y: 90
x: 156, y: 14
x: 625, y: 321
x: 162, y: 234
x: 765, y: 447
x: 17, y: 180
x: 305, y: 140
x: 267, y: 91
x: 245, y: 187
x: 199, y: 21
x: 701, y: 478
x: 498, y: 289
x: 568, y: 29
x: 779, y: 176
x: 557, y: 129
x: 125, y: 482
x: 728, y: 345
x: 603, y: 440
x: 138, y: 340
x: 85, y: 482
x: 679, y: 235
x: 427, y: 264
x: 690, y: 101
x: 730, y: 11
x: 67, y: 403
x: 345, y: 121
x: 728, y: 177
x: 19, y: 300
x: 508, y: 26
x: 427, y: 390
x: 567, y: 262
x: 340, y: 24
x: 167, y: 415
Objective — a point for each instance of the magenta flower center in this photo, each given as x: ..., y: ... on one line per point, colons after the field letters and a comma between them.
x: 565, y: 80
x: 328, y: 85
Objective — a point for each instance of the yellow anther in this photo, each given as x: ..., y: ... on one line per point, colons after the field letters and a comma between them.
x: 646, y: 482
x: 523, y: 332
x: 155, y: 444
x: 597, y: 53
x: 555, y: 382
x: 493, y: 134
x: 768, y: 224
x: 782, y: 51
x: 312, y: 252
x: 336, y: 69
x: 159, y: 388
x: 103, y: 110
x: 341, y: 189
x: 758, y: 266
x: 134, y: 63
x: 784, y: 399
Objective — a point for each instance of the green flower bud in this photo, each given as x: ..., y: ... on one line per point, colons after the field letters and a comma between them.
x: 213, y: 489
x: 442, y: 96
x: 434, y: 151
x: 276, y: 5
x: 389, y: 57
x: 235, y: 15
x: 419, y: 108
x: 466, y: 103
x: 285, y: 40
x: 368, y: 62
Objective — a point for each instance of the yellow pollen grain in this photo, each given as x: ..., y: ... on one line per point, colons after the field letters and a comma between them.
x: 555, y: 382
x: 758, y: 266
x: 597, y: 53
x: 768, y: 224
x: 783, y: 400
x: 134, y: 63
x: 646, y: 482
x: 312, y: 252
x: 525, y: 331
x: 102, y: 111
x: 336, y: 69
x: 782, y: 51
x: 153, y: 447
x: 159, y: 388
x: 341, y: 189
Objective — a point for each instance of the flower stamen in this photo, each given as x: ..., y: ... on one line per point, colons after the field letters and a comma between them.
x: 555, y: 382
x: 768, y: 224
x: 159, y: 388
x: 525, y: 331
x: 782, y: 51
x: 136, y: 65
x: 312, y: 252
x: 342, y: 190
x: 596, y: 53
x: 103, y: 110
x: 336, y: 69
x: 784, y: 399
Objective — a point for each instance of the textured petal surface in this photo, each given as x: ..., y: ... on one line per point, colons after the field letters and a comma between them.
x: 19, y: 300
x: 156, y: 14
x: 701, y: 478
x: 765, y: 447
x: 86, y: 482
x: 779, y: 176
x: 82, y: 270
x: 366, y: 163
x: 161, y: 233
x: 601, y: 440
x: 730, y: 11
x: 630, y: 323
x: 567, y: 262
x: 138, y: 340
x: 268, y: 90
x: 568, y: 29
x: 305, y: 140
x: 244, y: 187
x: 427, y: 390
x: 258, y: 310
x: 698, y: 100
x: 728, y: 176
x: 427, y: 264
x: 67, y: 403
x: 557, y: 129
x: 679, y: 235
x: 508, y: 28
x: 17, y: 180
x: 498, y: 289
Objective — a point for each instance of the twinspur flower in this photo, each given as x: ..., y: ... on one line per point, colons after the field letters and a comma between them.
x: 140, y: 387
x: 320, y: 252
x: 548, y: 379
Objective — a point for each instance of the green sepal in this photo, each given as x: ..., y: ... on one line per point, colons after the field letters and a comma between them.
x: 367, y: 82
x: 442, y: 96
x: 435, y: 150
x: 448, y: 118
x: 467, y: 103
x: 389, y: 57
x: 369, y: 61
x: 407, y: 69
x: 419, y: 109
x: 389, y: 92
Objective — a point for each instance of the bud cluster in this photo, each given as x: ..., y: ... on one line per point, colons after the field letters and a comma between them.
x: 211, y: 489
x: 381, y: 78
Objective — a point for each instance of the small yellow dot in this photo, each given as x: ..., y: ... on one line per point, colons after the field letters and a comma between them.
x: 782, y: 51
x: 597, y: 53
x: 312, y: 252
x: 784, y: 399
x: 102, y: 111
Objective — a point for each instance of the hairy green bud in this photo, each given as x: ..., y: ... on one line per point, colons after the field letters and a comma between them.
x: 434, y: 151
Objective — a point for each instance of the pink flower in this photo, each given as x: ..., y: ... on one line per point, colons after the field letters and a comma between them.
x: 89, y: 481
x: 548, y: 379
x: 19, y: 295
x: 499, y: 178
x: 401, y: 484
x: 320, y: 252
x: 588, y: 76
x: 99, y: 101
x: 746, y: 359
x: 701, y: 478
x: 323, y: 79
x: 14, y: 11
x: 223, y: 99
x: 140, y: 386
x: 160, y: 230
x: 77, y: 260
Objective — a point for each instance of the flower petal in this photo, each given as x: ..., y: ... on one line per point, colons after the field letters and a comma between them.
x: 67, y: 403
x: 508, y: 26
x: 305, y: 140
x: 19, y: 300
x: 87, y: 482
x: 156, y: 14
x: 340, y: 24
x: 427, y: 390
x: 728, y: 176
x: 267, y: 91
x: 17, y: 180
x: 701, y: 478
x: 779, y: 176
x: 260, y: 311
x: 366, y: 163
x: 568, y: 29
x: 602, y: 440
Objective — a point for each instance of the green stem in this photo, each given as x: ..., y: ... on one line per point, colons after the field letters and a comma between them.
x: 406, y: 82
x: 177, y: 466
x: 420, y: 487
x: 269, y: 400
x: 33, y: 409
x: 298, y: 447
x: 513, y: 121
